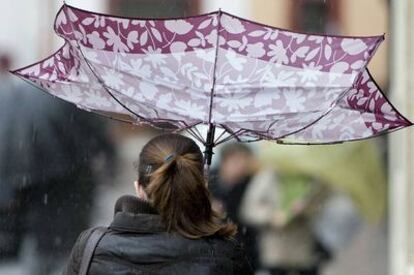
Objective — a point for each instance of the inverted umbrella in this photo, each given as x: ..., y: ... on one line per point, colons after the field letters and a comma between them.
x: 251, y: 80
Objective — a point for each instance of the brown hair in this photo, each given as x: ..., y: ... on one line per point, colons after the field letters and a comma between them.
x: 170, y: 169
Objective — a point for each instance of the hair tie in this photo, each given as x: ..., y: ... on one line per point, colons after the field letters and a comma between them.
x: 169, y: 157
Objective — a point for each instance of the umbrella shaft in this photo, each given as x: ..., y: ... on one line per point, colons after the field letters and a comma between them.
x: 208, y: 153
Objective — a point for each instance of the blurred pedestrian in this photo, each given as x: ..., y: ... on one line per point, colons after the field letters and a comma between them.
x: 10, y: 235
x: 170, y: 227
x: 47, y: 150
x: 228, y: 184
x: 282, y: 207
x: 60, y: 188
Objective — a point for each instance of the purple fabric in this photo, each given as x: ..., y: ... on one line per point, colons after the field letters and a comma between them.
x: 253, y: 80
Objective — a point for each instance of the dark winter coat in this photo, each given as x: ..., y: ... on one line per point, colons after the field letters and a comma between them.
x: 137, y: 243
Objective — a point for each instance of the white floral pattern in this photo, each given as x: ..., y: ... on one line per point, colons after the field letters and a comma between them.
x: 254, y: 80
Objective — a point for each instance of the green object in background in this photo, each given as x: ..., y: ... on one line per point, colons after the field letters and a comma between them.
x: 293, y: 188
x: 356, y: 169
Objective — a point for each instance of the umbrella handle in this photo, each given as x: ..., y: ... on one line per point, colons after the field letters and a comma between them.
x: 208, y: 152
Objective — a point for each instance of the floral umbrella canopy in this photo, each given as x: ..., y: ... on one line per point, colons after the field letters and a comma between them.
x: 251, y: 80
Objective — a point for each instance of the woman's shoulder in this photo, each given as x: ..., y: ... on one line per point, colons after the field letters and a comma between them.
x: 234, y: 251
x: 229, y: 245
x: 73, y: 265
x: 83, y: 238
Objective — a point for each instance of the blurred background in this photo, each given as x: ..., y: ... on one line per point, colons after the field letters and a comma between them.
x: 347, y: 205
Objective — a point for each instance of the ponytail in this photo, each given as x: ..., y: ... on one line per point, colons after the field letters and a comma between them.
x: 174, y: 182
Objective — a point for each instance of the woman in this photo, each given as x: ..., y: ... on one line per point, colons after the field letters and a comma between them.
x: 170, y: 227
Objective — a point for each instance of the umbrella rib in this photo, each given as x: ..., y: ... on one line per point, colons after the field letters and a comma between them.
x: 162, y: 84
x: 310, y: 124
x: 214, y: 67
x: 194, y: 135
x: 186, y: 125
x: 90, y: 66
x: 141, y: 103
x: 101, y: 81
x: 107, y: 89
x: 231, y: 135
x: 189, y: 129
x: 116, y: 99
x: 218, y: 138
x: 199, y: 133
x: 44, y: 90
x: 153, y: 107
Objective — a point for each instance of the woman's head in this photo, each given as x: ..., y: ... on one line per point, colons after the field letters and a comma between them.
x: 170, y: 172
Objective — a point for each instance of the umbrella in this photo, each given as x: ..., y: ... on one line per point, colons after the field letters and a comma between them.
x: 251, y: 80
x: 353, y: 168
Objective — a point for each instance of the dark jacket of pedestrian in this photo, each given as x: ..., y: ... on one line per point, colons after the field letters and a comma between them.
x: 170, y: 227
x: 137, y: 243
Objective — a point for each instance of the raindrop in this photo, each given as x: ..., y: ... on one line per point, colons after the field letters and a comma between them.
x: 45, y: 199
x: 24, y: 180
x: 58, y: 240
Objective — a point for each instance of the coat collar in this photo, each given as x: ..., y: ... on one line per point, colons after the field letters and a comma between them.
x: 135, y: 215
